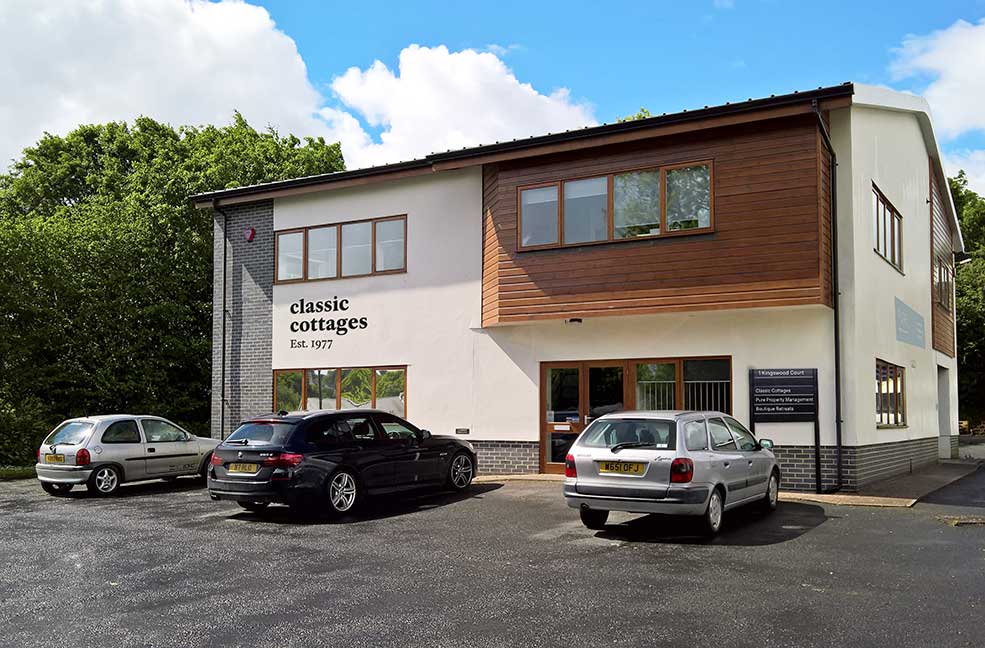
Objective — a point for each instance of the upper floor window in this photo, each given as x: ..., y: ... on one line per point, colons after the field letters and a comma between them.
x: 355, y: 249
x: 887, y: 229
x: 634, y: 204
x: 944, y: 283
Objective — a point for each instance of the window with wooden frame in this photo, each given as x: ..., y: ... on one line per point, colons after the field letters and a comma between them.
x: 887, y: 229
x: 890, y: 395
x: 341, y: 250
x: 382, y: 388
x: 944, y: 284
x: 632, y: 204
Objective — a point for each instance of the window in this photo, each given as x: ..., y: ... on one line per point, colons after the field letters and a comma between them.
x: 162, y: 431
x: 70, y: 433
x: 122, y: 432
x: 394, y: 428
x: 619, y: 206
x: 747, y: 442
x: 887, y: 229
x: 708, y: 384
x: 944, y: 284
x: 290, y: 256
x: 606, y: 433
x: 720, y: 437
x: 323, y: 252
x: 586, y: 206
x: 636, y: 204
x: 377, y: 246
x: 890, y: 395
x: 656, y: 386
x: 688, y: 198
x: 263, y: 433
x: 383, y: 388
x: 538, y: 216
x: 327, y: 433
x: 695, y: 435
x: 360, y: 427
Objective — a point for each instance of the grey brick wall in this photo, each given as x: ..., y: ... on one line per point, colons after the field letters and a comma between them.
x: 955, y: 450
x: 860, y: 465
x: 249, y: 285
x: 507, y: 457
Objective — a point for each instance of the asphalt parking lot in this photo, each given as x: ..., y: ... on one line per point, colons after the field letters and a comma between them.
x: 506, y: 565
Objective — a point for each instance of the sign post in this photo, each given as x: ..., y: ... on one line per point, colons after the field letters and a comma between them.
x: 786, y: 396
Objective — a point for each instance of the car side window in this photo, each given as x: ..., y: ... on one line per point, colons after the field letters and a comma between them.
x: 328, y: 432
x: 161, y: 431
x: 720, y: 437
x: 122, y: 432
x: 695, y: 435
x: 394, y: 428
x: 361, y: 427
x: 747, y: 443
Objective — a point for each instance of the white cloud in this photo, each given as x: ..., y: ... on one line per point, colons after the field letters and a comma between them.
x: 194, y: 62
x: 973, y: 164
x: 953, y: 59
x: 438, y: 100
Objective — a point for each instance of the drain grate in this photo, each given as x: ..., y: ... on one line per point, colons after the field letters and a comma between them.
x: 962, y: 520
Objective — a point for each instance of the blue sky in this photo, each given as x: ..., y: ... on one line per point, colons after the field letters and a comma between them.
x: 620, y: 56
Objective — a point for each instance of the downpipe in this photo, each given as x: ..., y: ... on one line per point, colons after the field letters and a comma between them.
x: 222, y: 355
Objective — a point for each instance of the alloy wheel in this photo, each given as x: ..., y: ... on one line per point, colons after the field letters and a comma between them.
x: 774, y: 490
x: 715, y: 511
x: 461, y: 471
x: 342, y: 492
x: 106, y: 480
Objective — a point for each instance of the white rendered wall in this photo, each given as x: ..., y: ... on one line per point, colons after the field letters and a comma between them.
x: 886, y: 147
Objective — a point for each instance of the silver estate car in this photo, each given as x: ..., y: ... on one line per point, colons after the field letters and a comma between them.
x: 102, y: 452
x: 674, y: 462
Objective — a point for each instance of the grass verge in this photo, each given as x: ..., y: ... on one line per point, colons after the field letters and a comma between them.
x: 16, y: 472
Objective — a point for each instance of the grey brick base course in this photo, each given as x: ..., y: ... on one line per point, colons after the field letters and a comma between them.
x: 249, y: 298
x: 507, y: 457
x: 955, y: 450
x: 860, y: 465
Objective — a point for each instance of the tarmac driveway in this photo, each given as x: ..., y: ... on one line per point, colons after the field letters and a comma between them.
x: 506, y: 565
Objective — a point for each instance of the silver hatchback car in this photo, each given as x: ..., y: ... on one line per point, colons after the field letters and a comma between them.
x: 102, y: 452
x: 674, y: 462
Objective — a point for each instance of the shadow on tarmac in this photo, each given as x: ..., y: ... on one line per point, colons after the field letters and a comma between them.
x: 743, y: 527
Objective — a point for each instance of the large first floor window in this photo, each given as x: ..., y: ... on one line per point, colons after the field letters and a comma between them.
x: 890, y: 395
x: 341, y: 388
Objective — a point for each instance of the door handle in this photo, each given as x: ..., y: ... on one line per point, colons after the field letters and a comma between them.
x: 726, y: 464
x: 151, y: 450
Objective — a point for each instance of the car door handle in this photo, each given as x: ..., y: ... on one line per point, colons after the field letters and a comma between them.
x: 151, y: 450
x: 726, y: 464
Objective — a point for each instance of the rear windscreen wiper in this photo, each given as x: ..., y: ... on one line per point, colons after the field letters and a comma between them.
x: 239, y: 441
x: 632, y: 444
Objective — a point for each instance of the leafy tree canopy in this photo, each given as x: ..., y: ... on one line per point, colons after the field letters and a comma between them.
x: 106, y: 268
x: 642, y: 114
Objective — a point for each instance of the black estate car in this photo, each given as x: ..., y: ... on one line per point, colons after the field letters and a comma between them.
x: 331, y: 460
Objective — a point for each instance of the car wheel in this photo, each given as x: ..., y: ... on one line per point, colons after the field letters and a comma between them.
x: 461, y: 471
x: 593, y: 518
x: 105, y: 480
x: 56, y: 489
x: 772, y: 493
x: 254, y: 507
x: 343, y: 492
x: 714, y: 512
x: 203, y: 472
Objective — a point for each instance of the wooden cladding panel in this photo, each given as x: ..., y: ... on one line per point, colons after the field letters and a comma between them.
x: 942, y: 324
x: 771, y: 245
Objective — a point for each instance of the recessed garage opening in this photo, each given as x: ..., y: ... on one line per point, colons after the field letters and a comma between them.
x: 573, y: 394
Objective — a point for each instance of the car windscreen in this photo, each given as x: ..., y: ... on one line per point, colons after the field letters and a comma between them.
x: 261, y: 433
x: 70, y: 433
x: 658, y: 434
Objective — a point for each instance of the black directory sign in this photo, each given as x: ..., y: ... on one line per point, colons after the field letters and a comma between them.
x: 783, y: 395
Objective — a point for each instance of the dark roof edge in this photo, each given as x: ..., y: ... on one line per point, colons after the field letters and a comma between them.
x: 845, y: 89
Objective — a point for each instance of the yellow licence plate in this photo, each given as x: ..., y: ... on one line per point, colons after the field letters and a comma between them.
x: 243, y: 467
x: 622, y: 467
x: 54, y: 458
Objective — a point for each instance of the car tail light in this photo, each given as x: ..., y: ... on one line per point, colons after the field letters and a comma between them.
x: 39, y: 455
x: 82, y: 458
x: 569, y: 467
x: 215, y: 460
x: 284, y: 460
x: 681, y: 470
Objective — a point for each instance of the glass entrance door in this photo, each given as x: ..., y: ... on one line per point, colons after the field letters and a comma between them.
x: 562, y: 419
x: 606, y: 389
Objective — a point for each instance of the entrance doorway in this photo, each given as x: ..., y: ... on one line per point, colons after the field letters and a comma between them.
x: 943, y: 413
x: 573, y: 394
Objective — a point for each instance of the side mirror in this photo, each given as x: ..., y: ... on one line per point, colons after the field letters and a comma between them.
x: 425, y: 435
x: 765, y: 444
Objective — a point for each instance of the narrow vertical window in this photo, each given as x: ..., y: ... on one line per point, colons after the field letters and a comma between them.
x: 887, y: 229
x: 390, y: 236
x: 320, y: 393
x: 586, y: 208
x: 288, y: 387
x: 539, y: 216
x: 636, y: 204
x: 357, y: 249
x: 391, y: 387
x: 357, y: 388
x: 323, y: 252
x: 689, y: 198
x: 290, y: 256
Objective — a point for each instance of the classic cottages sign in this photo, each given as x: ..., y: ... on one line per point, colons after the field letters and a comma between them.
x: 325, y: 318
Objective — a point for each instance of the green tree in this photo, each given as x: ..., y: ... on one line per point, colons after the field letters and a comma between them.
x: 106, y: 268
x: 642, y: 114
x: 970, y: 301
